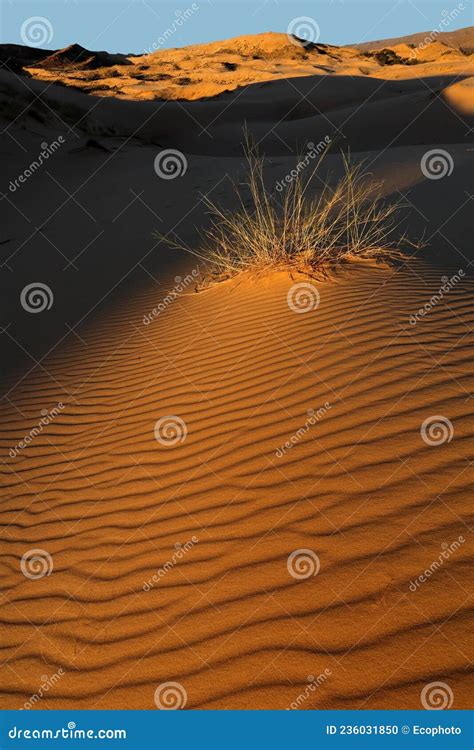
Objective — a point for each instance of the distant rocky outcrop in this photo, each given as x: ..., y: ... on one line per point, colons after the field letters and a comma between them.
x: 15, y: 57
x: 76, y: 56
x: 458, y: 39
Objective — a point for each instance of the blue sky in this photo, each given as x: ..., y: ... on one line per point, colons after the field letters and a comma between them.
x: 135, y: 25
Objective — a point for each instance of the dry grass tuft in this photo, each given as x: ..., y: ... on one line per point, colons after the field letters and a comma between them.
x: 296, y: 232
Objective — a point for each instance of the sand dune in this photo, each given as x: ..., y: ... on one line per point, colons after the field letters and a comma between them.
x: 361, y: 489
x: 207, y: 70
x: 283, y: 115
x: 460, y: 38
x: 171, y: 560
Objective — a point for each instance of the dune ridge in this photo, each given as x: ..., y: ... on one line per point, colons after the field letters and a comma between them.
x: 207, y: 70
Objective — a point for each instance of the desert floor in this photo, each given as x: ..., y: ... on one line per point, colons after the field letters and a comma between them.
x: 376, y: 483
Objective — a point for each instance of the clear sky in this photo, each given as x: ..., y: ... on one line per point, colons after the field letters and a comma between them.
x: 135, y: 25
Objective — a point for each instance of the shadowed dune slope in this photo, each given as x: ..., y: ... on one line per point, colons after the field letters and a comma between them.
x: 358, y: 113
